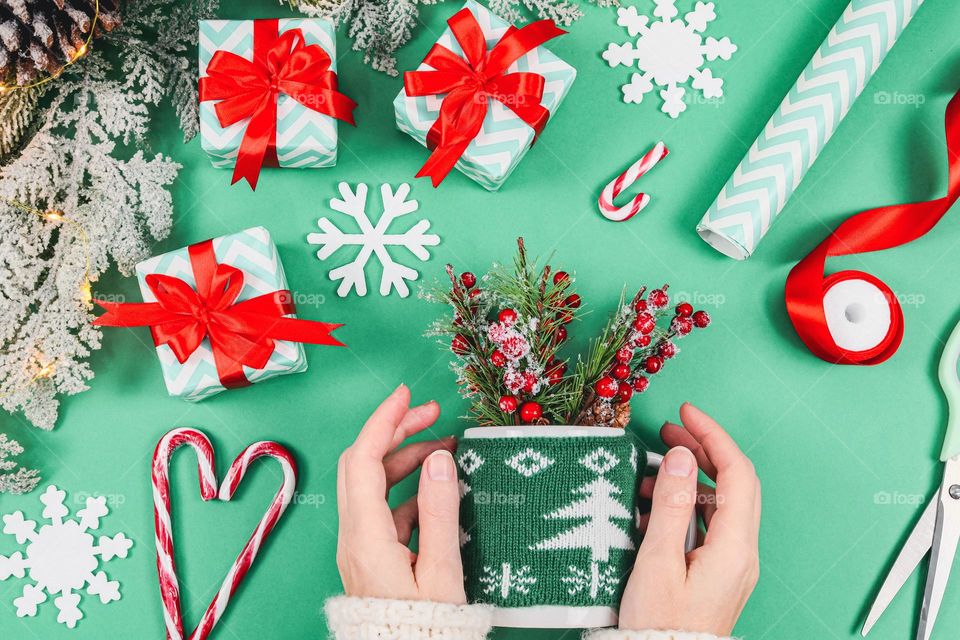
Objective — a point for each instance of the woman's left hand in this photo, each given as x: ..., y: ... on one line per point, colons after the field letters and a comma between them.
x: 372, y: 553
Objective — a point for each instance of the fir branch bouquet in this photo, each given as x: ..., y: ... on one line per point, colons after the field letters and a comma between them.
x: 507, y: 330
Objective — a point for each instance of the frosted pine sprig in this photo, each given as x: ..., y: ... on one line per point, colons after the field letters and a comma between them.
x: 507, y: 329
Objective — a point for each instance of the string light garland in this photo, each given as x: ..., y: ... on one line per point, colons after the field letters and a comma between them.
x: 44, y: 367
x: 56, y: 216
x: 79, y: 53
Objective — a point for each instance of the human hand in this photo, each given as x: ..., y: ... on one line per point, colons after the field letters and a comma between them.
x: 372, y: 553
x: 704, y: 590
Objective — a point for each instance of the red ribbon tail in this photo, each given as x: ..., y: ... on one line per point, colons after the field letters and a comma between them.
x: 442, y: 161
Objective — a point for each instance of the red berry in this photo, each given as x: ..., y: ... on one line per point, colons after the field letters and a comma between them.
x: 684, y: 309
x: 641, y: 383
x: 507, y: 316
x: 624, y: 355
x: 560, y: 276
x: 653, y: 364
x: 564, y: 317
x: 642, y: 340
x: 573, y: 301
x: 624, y: 392
x: 473, y: 293
x: 459, y: 344
x: 667, y: 349
x: 468, y: 279
x: 561, y: 334
x: 658, y: 298
x: 682, y: 326
x: 498, y: 359
x: 531, y: 411
x: 620, y: 371
x: 701, y: 319
x: 508, y: 404
x: 529, y: 381
x: 555, y: 375
x: 644, y: 323
x: 606, y: 387
x: 641, y: 305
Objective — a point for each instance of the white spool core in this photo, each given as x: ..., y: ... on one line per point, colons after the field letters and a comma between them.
x: 858, y: 315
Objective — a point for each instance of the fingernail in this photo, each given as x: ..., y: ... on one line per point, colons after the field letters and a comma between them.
x: 440, y: 466
x: 400, y: 387
x: 679, y: 462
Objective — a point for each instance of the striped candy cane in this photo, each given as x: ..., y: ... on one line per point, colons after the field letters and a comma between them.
x: 166, y: 568
x: 610, y: 192
x: 169, y: 586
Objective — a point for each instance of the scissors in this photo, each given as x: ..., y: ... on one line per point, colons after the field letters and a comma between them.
x: 938, y: 530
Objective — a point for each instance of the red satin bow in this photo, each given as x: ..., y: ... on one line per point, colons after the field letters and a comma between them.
x: 241, y: 333
x: 873, y: 230
x: 249, y: 89
x: 471, y: 82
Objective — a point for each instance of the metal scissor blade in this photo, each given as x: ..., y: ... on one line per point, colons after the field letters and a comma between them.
x: 916, y: 546
x: 945, y: 537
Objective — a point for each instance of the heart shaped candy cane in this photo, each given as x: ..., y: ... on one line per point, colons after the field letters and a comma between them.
x: 166, y: 568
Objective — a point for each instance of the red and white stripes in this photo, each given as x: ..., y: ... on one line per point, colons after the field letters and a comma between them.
x: 618, y: 214
x: 166, y: 568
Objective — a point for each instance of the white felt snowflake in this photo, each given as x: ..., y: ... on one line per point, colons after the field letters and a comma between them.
x: 62, y: 556
x: 374, y: 239
x: 669, y: 52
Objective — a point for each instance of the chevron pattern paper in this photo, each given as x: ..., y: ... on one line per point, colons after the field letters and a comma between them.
x: 305, y: 139
x: 253, y: 252
x: 809, y: 114
x: 504, y: 138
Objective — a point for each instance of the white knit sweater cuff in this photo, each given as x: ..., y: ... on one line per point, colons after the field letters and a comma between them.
x: 374, y: 618
x: 617, y: 634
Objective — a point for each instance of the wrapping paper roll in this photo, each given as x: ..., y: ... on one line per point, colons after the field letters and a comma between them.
x: 809, y: 114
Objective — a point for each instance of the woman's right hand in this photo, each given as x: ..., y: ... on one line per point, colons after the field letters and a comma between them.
x: 704, y: 590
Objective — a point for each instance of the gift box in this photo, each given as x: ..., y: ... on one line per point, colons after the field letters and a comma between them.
x: 253, y: 253
x: 504, y: 137
x: 305, y: 130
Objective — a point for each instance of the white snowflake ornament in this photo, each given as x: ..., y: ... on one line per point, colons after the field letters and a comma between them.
x: 62, y: 556
x: 373, y: 239
x: 669, y: 52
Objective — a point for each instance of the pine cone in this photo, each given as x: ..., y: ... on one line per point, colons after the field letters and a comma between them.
x: 621, y: 415
x: 600, y: 414
x: 39, y: 37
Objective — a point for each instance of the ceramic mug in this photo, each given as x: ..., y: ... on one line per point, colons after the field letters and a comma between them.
x: 549, y: 522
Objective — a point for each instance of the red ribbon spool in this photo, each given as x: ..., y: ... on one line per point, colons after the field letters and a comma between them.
x: 871, y: 230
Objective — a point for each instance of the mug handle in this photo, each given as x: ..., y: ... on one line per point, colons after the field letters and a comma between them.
x: 653, y: 461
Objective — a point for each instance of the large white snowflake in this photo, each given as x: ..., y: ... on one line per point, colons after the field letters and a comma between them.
x: 374, y: 239
x: 62, y: 556
x: 669, y: 52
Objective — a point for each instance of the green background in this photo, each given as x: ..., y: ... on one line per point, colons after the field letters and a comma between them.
x: 845, y: 453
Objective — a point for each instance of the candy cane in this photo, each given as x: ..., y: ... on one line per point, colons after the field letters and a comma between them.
x: 166, y: 567
x: 169, y: 585
x: 618, y: 214
x: 244, y: 561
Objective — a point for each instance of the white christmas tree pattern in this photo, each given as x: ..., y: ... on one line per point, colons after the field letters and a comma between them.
x: 373, y: 239
x: 669, y: 52
x: 598, y: 531
x: 62, y: 556
x: 505, y: 580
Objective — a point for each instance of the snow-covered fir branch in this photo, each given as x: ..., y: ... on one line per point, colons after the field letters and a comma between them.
x: 106, y: 198
x: 380, y: 27
x: 14, y: 478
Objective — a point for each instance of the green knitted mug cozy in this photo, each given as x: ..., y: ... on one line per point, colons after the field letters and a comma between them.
x: 548, y: 520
